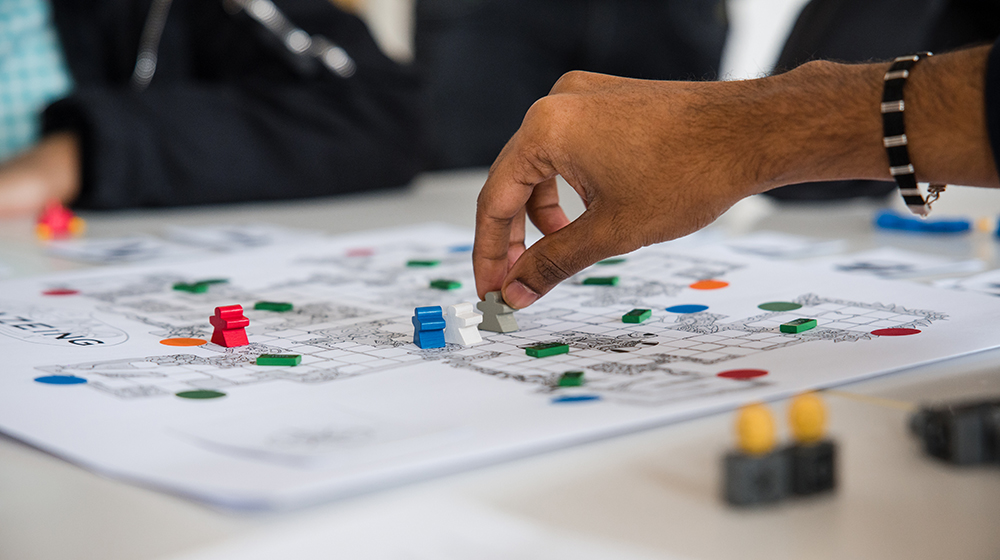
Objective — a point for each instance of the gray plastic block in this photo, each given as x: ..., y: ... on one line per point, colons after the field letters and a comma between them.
x: 756, y: 479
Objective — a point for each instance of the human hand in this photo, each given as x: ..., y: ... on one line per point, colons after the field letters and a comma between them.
x: 654, y: 161
x: 631, y: 150
x: 50, y: 170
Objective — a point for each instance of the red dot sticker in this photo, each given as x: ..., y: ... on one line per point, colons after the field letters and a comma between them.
x: 60, y: 292
x: 895, y: 332
x: 743, y: 373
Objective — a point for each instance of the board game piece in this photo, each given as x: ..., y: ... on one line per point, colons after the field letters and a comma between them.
x: 58, y: 222
x: 607, y: 262
x: 601, y: 281
x: 428, y: 327
x: 888, y: 219
x: 637, y: 315
x: 201, y: 394
x: 444, y: 284
x: 964, y: 433
x: 547, y: 349
x: 422, y: 263
x: 571, y: 379
x: 497, y: 315
x: 462, y: 322
x: 230, y: 326
x: 279, y: 359
x: 278, y: 306
x: 196, y: 288
x: 575, y: 398
x: 813, y: 458
x: 797, y: 326
x: 756, y: 473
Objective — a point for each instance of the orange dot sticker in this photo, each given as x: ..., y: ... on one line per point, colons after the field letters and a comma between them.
x: 708, y: 285
x: 183, y: 342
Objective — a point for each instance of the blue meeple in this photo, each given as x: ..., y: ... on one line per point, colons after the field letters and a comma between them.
x: 428, y: 327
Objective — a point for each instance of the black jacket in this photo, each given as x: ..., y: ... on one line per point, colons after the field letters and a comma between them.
x: 231, y: 114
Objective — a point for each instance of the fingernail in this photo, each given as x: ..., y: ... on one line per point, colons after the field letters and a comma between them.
x: 519, y: 296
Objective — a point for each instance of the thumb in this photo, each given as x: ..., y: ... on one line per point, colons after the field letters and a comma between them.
x: 558, y: 256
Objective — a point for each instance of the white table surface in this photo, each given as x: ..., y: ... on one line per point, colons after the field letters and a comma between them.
x: 656, y: 491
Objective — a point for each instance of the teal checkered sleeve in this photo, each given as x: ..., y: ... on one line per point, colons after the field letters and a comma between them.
x: 33, y: 72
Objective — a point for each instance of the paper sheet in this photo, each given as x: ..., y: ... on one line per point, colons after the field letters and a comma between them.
x: 777, y: 245
x: 87, y: 376
x: 986, y: 283
x: 889, y: 262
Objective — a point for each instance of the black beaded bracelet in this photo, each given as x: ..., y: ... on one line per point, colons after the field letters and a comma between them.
x: 894, y: 136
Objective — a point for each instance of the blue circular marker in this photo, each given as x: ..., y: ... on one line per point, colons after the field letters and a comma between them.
x: 575, y: 398
x: 61, y: 380
x: 460, y: 249
x: 687, y: 308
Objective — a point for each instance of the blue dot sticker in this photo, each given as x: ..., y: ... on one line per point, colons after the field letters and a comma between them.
x: 687, y: 308
x: 61, y: 380
x: 575, y: 398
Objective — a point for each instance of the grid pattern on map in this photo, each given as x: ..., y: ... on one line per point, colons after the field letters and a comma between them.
x: 348, y: 322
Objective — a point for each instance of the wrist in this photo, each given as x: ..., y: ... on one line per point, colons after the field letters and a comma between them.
x: 820, y: 122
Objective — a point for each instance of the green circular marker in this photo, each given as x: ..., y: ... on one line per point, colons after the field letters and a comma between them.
x: 200, y: 394
x: 779, y: 306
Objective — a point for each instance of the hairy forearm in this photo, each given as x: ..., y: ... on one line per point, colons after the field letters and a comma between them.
x: 822, y: 122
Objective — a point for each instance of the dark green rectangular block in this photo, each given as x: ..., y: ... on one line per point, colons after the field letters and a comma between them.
x: 196, y: 288
x: 417, y: 262
x: 547, y: 349
x: 279, y: 359
x: 637, y: 315
x: 279, y: 306
x: 443, y: 284
x: 571, y: 379
x: 607, y: 262
x: 601, y: 281
x: 797, y: 326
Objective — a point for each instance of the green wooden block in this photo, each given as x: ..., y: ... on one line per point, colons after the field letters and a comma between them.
x: 797, y: 326
x: 637, y: 315
x: 607, y: 262
x: 196, y: 288
x: 279, y: 306
x: 442, y: 284
x: 571, y: 379
x: 279, y: 359
x: 423, y: 263
x: 601, y: 281
x: 547, y: 349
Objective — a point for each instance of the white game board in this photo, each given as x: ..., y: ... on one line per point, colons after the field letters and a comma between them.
x: 367, y: 409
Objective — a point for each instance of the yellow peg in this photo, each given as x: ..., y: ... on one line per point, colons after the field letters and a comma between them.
x: 807, y: 416
x: 755, y: 429
x: 77, y: 226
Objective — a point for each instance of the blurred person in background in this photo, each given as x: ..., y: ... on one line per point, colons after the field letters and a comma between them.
x: 131, y: 103
x: 871, y: 30
x: 484, y: 62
